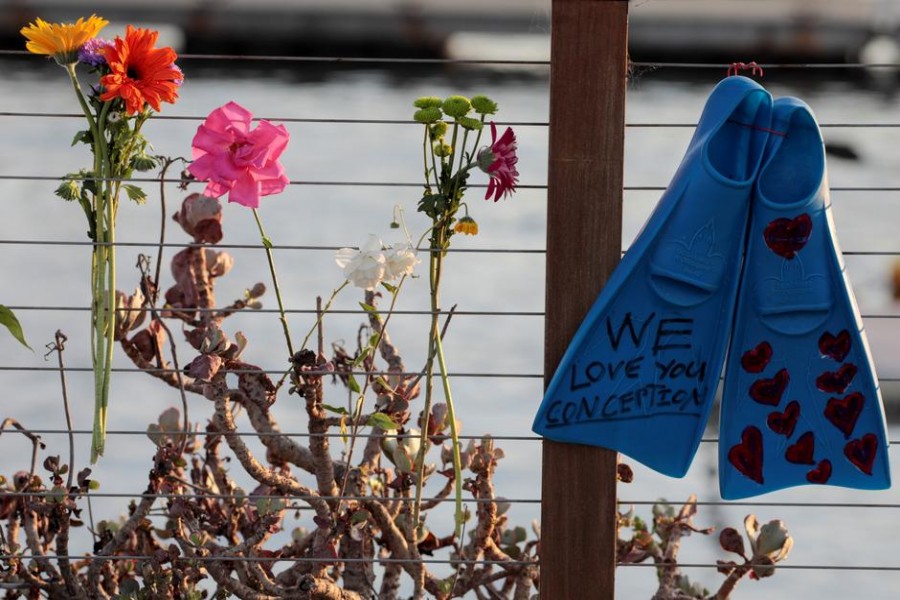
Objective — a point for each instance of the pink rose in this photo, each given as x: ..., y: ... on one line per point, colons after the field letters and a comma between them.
x: 231, y: 157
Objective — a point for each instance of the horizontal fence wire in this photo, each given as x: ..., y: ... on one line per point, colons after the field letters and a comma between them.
x: 305, y: 311
x: 306, y: 434
x: 260, y: 371
x: 447, y: 500
x: 401, y: 561
x: 475, y: 375
x: 274, y: 559
x: 328, y: 248
x: 396, y: 184
x: 307, y: 248
x: 360, y: 311
x: 346, y: 121
x: 489, y: 62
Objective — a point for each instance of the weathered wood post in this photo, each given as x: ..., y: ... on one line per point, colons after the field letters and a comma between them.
x: 584, y: 233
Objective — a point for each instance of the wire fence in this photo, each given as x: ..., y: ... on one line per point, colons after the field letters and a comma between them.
x: 499, y: 313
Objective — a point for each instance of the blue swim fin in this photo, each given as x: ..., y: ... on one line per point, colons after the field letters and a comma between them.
x: 641, y: 372
x: 801, y: 403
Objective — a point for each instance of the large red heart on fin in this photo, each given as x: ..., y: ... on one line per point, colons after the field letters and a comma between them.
x: 747, y: 457
x: 835, y: 382
x: 821, y: 474
x: 803, y: 451
x: 844, y: 412
x: 784, y: 422
x: 862, y: 452
x: 786, y: 237
x: 837, y: 346
x: 756, y: 359
x: 769, y: 391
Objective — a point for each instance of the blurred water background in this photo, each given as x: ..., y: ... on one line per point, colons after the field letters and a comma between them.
x: 479, y: 278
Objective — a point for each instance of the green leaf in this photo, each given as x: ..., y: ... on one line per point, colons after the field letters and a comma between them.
x: 391, y: 288
x: 362, y: 356
x: 383, y: 383
x: 382, y: 421
x: 94, y: 485
x: 368, y: 308
x: 68, y: 190
x: 135, y: 193
x: 8, y: 319
x: 353, y: 384
x: 267, y: 242
x: 336, y: 409
x: 83, y: 137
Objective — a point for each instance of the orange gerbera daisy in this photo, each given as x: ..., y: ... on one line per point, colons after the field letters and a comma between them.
x: 61, y: 40
x: 139, y: 72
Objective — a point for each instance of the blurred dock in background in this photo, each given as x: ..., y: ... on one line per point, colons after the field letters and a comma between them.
x: 831, y: 31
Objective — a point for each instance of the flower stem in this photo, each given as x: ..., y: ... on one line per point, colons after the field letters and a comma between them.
x: 425, y: 145
x: 454, y: 436
x: 435, y: 350
x: 324, y: 311
x: 103, y: 266
x: 267, y: 243
x: 474, y: 156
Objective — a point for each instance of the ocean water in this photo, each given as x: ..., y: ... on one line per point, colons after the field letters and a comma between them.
x: 328, y: 216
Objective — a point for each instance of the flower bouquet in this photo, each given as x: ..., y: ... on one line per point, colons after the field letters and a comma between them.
x: 132, y: 77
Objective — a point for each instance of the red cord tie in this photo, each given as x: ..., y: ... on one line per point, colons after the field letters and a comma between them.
x: 751, y: 66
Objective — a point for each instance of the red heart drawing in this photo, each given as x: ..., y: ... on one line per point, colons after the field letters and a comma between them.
x: 862, y: 452
x: 756, y: 359
x: 786, y: 237
x: 835, y: 382
x: 769, y: 391
x: 835, y: 346
x: 803, y: 451
x: 784, y: 422
x: 747, y: 457
x: 821, y: 474
x: 844, y: 412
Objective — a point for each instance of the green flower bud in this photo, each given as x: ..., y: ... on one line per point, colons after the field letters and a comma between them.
x: 470, y: 123
x: 484, y: 105
x: 143, y: 162
x: 428, y: 115
x: 68, y: 190
x: 441, y: 149
x: 438, y: 130
x: 427, y: 102
x: 456, y: 106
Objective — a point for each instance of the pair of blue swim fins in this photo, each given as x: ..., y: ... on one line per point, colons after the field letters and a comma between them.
x: 739, y: 258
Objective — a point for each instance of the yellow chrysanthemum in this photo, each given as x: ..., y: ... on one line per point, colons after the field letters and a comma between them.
x: 61, y: 40
x: 466, y: 225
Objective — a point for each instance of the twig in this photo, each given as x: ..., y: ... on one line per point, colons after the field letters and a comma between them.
x: 142, y: 265
x: 58, y: 346
x: 73, y: 587
x: 253, y: 467
x: 168, y: 162
x: 357, y: 420
x: 35, y: 441
x: 32, y: 538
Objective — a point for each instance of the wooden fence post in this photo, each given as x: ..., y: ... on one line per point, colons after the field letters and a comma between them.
x: 584, y: 233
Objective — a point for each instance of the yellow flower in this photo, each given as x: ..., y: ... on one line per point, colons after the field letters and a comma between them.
x: 466, y: 225
x: 61, y: 40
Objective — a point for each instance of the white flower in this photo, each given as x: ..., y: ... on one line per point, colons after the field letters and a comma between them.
x: 366, y: 267
x: 401, y: 258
